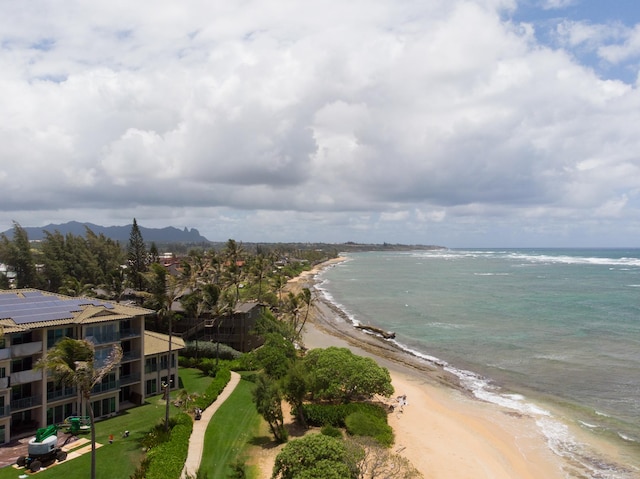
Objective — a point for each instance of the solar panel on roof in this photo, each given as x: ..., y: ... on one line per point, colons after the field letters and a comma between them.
x: 33, y: 306
x: 29, y: 294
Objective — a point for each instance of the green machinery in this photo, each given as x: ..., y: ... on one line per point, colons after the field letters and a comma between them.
x: 77, y: 424
x: 42, y: 449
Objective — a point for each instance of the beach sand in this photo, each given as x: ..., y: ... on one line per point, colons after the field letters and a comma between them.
x: 443, y: 431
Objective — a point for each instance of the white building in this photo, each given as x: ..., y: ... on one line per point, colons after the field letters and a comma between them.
x: 32, y: 322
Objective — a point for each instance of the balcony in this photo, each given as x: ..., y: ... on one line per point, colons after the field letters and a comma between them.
x: 5, y: 411
x: 131, y: 355
x: 129, y: 333
x: 26, y: 403
x: 104, y: 387
x: 104, y: 338
x: 59, y: 394
x: 4, y: 383
x: 129, y: 379
x: 27, y: 376
x: 5, y: 353
x: 26, y: 349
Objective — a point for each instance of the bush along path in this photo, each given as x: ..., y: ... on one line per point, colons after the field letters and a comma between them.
x: 196, y: 441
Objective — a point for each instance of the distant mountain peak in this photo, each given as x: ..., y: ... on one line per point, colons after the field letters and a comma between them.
x: 167, y: 234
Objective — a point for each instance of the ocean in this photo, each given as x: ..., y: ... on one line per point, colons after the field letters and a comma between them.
x: 554, y: 333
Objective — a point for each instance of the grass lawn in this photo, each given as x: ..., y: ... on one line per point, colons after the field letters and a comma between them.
x: 232, y: 427
x: 194, y: 380
x: 120, y: 459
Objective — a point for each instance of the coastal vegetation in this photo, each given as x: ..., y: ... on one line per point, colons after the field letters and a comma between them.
x: 331, y: 388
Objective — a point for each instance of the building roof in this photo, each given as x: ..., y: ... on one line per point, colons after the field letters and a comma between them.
x: 25, y: 309
x: 157, y: 343
x: 245, y: 307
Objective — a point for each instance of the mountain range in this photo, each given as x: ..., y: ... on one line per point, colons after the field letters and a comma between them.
x: 168, y: 234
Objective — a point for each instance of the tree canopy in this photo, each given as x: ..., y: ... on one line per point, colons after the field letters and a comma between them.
x: 336, y: 374
x: 314, y: 456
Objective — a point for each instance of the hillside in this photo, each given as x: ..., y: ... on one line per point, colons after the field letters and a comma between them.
x: 168, y: 234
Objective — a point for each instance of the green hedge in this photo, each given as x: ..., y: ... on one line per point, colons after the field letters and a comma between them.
x: 166, y: 461
x: 214, y: 389
x: 335, y: 414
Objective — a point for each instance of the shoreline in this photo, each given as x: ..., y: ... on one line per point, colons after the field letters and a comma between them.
x: 446, y: 432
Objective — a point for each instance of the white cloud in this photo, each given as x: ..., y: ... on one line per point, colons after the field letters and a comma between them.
x: 630, y: 48
x: 273, y: 118
x: 557, y: 4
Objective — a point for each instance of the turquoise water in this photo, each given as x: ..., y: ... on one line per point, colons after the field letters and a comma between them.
x: 534, y: 330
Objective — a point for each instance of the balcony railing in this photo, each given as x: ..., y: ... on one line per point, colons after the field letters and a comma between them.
x: 26, y: 349
x: 129, y: 379
x: 129, y: 333
x: 104, y: 387
x: 26, y: 402
x: 5, y: 353
x: 61, y: 394
x: 5, y: 411
x: 4, y: 383
x: 131, y: 355
x: 104, y: 338
x: 28, y: 376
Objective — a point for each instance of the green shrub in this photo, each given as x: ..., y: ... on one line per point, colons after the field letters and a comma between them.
x: 335, y: 414
x: 166, y: 461
x: 331, y: 431
x: 363, y: 424
x: 207, y: 349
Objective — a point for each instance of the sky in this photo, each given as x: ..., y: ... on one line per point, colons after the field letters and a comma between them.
x: 461, y: 123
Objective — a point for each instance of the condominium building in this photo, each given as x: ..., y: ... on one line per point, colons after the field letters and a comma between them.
x: 32, y: 322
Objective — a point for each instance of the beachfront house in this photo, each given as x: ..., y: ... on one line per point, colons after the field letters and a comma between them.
x: 32, y: 321
x: 236, y: 330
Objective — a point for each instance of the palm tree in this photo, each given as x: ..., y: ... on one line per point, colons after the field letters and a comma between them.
x: 72, y: 362
x: 233, y: 252
x: 165, y: 290
x: 307, y: 299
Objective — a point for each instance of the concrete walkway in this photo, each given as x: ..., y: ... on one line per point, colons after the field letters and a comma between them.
x: 196, y: 441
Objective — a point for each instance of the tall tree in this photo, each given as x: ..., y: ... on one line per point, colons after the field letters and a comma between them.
x: 17, y: 254
x: 305, y: 298
x: 72, y: 362
x: 268, y: 400
x: 164, y: 290
x: 233, y: 253
x: 137, y: 256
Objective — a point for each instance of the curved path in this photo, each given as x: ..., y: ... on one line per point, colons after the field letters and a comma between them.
x: 196, y: 441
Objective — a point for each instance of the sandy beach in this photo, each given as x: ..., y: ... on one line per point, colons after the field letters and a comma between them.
x: 442, y: 431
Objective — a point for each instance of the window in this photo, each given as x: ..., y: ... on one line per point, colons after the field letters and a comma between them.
x: 151, y: 365
x: 22, y: 364
x: 104, y: 407
x: 101, y: 355
x: 57, y: 415
x: 59, y: 391
x: 22, y: 338
x: 164, y: 363
x: 104, y: 333
x: 151, y: 387
x: 20, y: 391
x: 55, y: 335
x: 2, y: 435
x: 3, y: 372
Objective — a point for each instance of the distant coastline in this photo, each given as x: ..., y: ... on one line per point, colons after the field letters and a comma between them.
x: 192, y: 236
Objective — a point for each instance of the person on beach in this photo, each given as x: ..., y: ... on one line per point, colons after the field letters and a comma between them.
x: 402, y: 402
